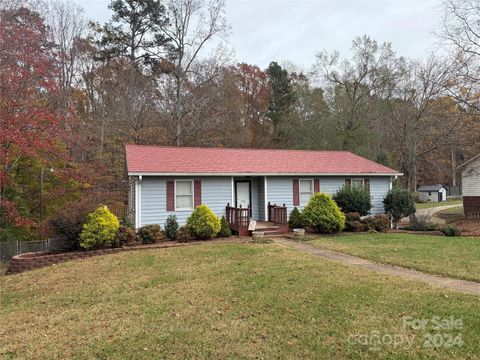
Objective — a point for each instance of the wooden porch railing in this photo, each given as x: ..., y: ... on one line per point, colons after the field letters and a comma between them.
x: 277, y: 214
x: 239, y: 218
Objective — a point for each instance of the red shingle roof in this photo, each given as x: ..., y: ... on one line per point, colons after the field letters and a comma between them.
x: 142, y: 159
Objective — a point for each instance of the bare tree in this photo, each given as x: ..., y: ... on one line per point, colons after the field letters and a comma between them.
x: 461, y: 32
x: 355, y: 86
x: 194, y: 27
x: 67, y: 24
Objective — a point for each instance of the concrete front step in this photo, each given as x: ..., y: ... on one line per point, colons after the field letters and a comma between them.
x: 273, y: 228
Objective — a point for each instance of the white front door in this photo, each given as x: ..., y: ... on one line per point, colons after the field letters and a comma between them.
x: 243, y: 194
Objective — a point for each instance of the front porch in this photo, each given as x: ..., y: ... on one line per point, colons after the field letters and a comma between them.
x: 240, y: 220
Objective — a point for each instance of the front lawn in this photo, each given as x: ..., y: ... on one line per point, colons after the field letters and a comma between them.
x: 452, y: 256
x: 225, y: 301
x: 429, y: 205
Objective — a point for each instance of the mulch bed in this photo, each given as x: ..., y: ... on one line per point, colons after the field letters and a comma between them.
x: 469, y: 227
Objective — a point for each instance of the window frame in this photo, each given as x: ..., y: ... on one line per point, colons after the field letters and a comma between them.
x: 357, y: 179
x: 192, y: 184
x: 300, y: 191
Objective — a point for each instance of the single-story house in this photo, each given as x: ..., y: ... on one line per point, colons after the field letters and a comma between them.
x: 471, y: 187
x: 242, y: 184
x: 432, y: 193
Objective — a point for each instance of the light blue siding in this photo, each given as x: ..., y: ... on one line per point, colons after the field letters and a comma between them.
x: 261, y: 199
x: 216, y: 193
x: 280, y: 190
x: 379, y: 187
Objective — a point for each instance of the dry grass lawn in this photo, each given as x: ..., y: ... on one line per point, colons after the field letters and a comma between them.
x: 221, y: 301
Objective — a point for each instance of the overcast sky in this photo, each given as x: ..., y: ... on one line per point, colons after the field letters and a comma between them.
x: 280, y: 30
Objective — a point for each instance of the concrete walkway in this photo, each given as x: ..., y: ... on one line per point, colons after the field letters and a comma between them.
x: 466, y: 287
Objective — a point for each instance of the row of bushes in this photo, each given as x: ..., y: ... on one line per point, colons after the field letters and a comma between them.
x: 345, y: 210
x: 102, y: 228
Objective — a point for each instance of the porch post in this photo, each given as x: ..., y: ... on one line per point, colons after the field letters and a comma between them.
x: 233, y: 192
x: 266, y: 197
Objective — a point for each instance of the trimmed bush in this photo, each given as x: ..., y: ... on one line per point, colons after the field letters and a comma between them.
x: 100, y: 229
x: 150, y: 234
x: 171, y: 227
x: 295, y: 220
x: 354, y: 226
x: 125, y: 235
x: 323, y: 214
x: 183, y: 235
x: 376, y: 223
x: 451, y: 230
x: 203, y: 223
x: 225, y: 230
x: 352, y: 216
x: 353, y: 199
x: 398, y: 204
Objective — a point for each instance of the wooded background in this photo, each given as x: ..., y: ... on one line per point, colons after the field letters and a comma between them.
x: 73, y: 93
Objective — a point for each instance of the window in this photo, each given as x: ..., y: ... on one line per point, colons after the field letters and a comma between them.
x: 306, y: 191
x: 357, y: 183
x: 183, y: 195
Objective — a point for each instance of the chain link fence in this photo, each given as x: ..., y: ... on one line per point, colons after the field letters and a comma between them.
x: 10, y: 248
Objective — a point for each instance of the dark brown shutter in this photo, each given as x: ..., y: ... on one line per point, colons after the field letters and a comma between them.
x: 316, y: 185
x: 348, y: 182
x: 366, y: 183
x: 197, y: 193
x: 296, y: 193
x: 170, y: 195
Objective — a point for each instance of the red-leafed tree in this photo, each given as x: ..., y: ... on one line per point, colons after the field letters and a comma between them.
x: 28, y: 91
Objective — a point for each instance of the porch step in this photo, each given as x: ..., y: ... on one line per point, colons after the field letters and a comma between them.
x: 272, y: 228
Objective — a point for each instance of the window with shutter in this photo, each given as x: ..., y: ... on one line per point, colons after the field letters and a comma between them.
x: 183, y: 195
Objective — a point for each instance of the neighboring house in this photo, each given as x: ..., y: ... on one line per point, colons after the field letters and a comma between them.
x: 432, y: 193
x: 242, y: 184
x: 471, y: 187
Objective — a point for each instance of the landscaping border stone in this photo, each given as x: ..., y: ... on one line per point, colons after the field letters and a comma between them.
x: 34, y: 260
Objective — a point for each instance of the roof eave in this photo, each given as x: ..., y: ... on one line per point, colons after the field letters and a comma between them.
x: 146, y: 173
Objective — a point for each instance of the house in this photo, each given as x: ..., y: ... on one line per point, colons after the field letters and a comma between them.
x: 242, y: 184
x: 471, y: 187
x: 432, y: 193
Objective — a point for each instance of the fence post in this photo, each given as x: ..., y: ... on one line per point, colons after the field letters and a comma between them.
x: 18, y: 248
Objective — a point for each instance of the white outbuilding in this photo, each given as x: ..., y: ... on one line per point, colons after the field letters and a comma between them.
x: 432, y: 193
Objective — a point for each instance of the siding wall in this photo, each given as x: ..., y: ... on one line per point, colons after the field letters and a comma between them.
x: 471, y: 179
x: 280, y: 190
x: 217, y: 192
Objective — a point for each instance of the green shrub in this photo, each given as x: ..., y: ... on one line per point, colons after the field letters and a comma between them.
x: 421, y: 227
x: 323, y: 214
x: 353, y: 199
x: 183, y: 235
x: 150, y: 234
x: 125, y: 235
x: 171, y: 227
x: 295, y: 220
x: 100, y: 229
x: 203, y: 223
x: 398, y: 204
x: 376, y: 223
x: 225, y: 230
x: 451, y: 230
x: 127, y: 222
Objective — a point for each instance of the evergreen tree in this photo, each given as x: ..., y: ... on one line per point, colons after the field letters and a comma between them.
x: 282, y: 96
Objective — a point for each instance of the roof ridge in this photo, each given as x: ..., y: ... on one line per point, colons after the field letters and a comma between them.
x: 238, y: 148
